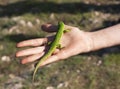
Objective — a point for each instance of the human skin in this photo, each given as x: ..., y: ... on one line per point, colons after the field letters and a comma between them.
x: 73, y: 42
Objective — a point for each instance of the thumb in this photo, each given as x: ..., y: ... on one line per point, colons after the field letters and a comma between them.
x: 49, y: 28
x: 51, y: 59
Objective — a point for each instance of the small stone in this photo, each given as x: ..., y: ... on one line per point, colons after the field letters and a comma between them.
x: 87, y: 2
x: 52, y: 16
x: 12, y: 29
x: 60, y: 85
x: 18, y: 86
x: 95, y: 21
x: 15, y: 18
x: 18, y: 31
x: 5, y: 58
x: 14, y: 86
x: 97, y: 13
x: 14, y: 79
x: 11, y: 76
x: 36, y: 83
x: 22, y: 22
x: 66, y: 84
x: 99, y: 63
x: 78, y: 71
x: 29, y: 24
x: 67, y: 71
x: 37, y: 21
x: 50, y: 87
x: 89, y: 58
x: 14, y: 82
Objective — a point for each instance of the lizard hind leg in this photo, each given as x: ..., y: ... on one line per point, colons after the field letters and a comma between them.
x: 59, y: 46
x: 66, y: 30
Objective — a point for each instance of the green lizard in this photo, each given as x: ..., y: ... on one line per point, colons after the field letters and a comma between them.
x: 53, y: 46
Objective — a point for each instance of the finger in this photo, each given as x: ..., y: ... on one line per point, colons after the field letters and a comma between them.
x: 53, y: 28
x: 37, y: 56
x: 54, y: 58
x: 51, y: 59
x: 49, y: 27
x: 30, y: 51
x: 32, y: 58
x: 61, y: 54
x: 33, y: 42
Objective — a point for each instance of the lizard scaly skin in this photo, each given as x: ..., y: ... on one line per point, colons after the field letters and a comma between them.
x: 52, y: 48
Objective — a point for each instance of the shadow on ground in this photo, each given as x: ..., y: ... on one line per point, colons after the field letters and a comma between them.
x: 18, y: 37
x: 35, y: 7
x: 107, y: 23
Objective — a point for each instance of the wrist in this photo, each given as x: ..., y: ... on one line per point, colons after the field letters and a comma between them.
x: 89, y: 42
x: 105, y: 38
x: 97, y: 41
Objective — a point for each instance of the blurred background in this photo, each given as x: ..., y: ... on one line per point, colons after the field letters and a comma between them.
x: 22, y: 19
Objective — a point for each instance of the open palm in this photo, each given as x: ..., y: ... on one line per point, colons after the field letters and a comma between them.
x: 73, y: 42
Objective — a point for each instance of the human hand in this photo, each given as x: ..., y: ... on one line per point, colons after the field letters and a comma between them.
x: 73, y: 42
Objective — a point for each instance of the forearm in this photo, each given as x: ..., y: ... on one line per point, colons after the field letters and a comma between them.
x: 105, y: 38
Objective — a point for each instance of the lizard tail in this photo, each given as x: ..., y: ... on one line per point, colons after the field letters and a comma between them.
x: 38, y: 65
x: 36, y: 68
